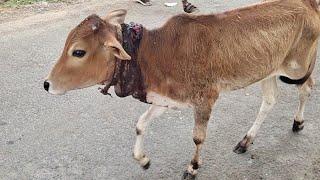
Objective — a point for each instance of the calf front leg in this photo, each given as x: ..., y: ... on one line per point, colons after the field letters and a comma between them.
x: 145, y: 118
x: 269, y: 96
x: 202, y: 116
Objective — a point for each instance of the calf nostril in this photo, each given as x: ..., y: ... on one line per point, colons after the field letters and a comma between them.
x: 46, y: 85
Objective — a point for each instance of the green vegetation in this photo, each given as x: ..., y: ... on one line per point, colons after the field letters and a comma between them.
x: 16, y: 3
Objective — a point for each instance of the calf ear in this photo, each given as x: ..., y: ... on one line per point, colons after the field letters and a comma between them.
x: 116, y: 17
x: 114, y: 45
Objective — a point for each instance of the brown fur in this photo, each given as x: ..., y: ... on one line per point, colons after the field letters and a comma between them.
x: 229, y: 50
x: 73, y: 73
x: 191, y: 59
x: 192, y: 55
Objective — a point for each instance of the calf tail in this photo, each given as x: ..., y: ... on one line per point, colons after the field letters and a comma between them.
x: 306, y: 77
x: 293, y: 81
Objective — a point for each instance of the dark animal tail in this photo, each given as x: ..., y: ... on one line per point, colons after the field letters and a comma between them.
x: 292, y: 81
x: 305, y: 78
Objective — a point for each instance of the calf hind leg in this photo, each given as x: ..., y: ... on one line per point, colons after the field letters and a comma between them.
x: 304, y: 93
x: 269, y: 97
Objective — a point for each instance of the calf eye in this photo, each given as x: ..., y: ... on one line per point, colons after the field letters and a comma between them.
x: 78, y: 53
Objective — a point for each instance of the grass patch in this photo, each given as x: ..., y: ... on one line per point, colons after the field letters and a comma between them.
x: 17, y: 3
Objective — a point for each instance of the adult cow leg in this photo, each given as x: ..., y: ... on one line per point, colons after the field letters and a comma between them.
x: 202, y: 115
x: 304, y: 94
x: 138, y: 153
x: 269, y: 97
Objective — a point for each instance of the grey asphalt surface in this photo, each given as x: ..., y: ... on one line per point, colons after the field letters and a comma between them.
x: 85, y: 135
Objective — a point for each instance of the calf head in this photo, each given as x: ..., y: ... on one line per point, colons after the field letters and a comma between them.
x: 89, y: 55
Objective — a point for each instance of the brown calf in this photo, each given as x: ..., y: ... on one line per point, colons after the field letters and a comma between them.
x: 190, y: 60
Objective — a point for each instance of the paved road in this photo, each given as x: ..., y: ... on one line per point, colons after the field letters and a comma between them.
x: 85, y: 135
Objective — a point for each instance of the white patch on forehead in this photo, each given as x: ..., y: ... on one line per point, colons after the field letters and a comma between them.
x: 159, y: 100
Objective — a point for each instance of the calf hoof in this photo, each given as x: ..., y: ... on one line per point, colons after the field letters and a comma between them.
x: 188, y: 175
x: 143, y: 160
x: 240, y: 149
x: 297, y: 126
x: 146, y: 166
x: 145, y: 163
x: 242, y: 146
